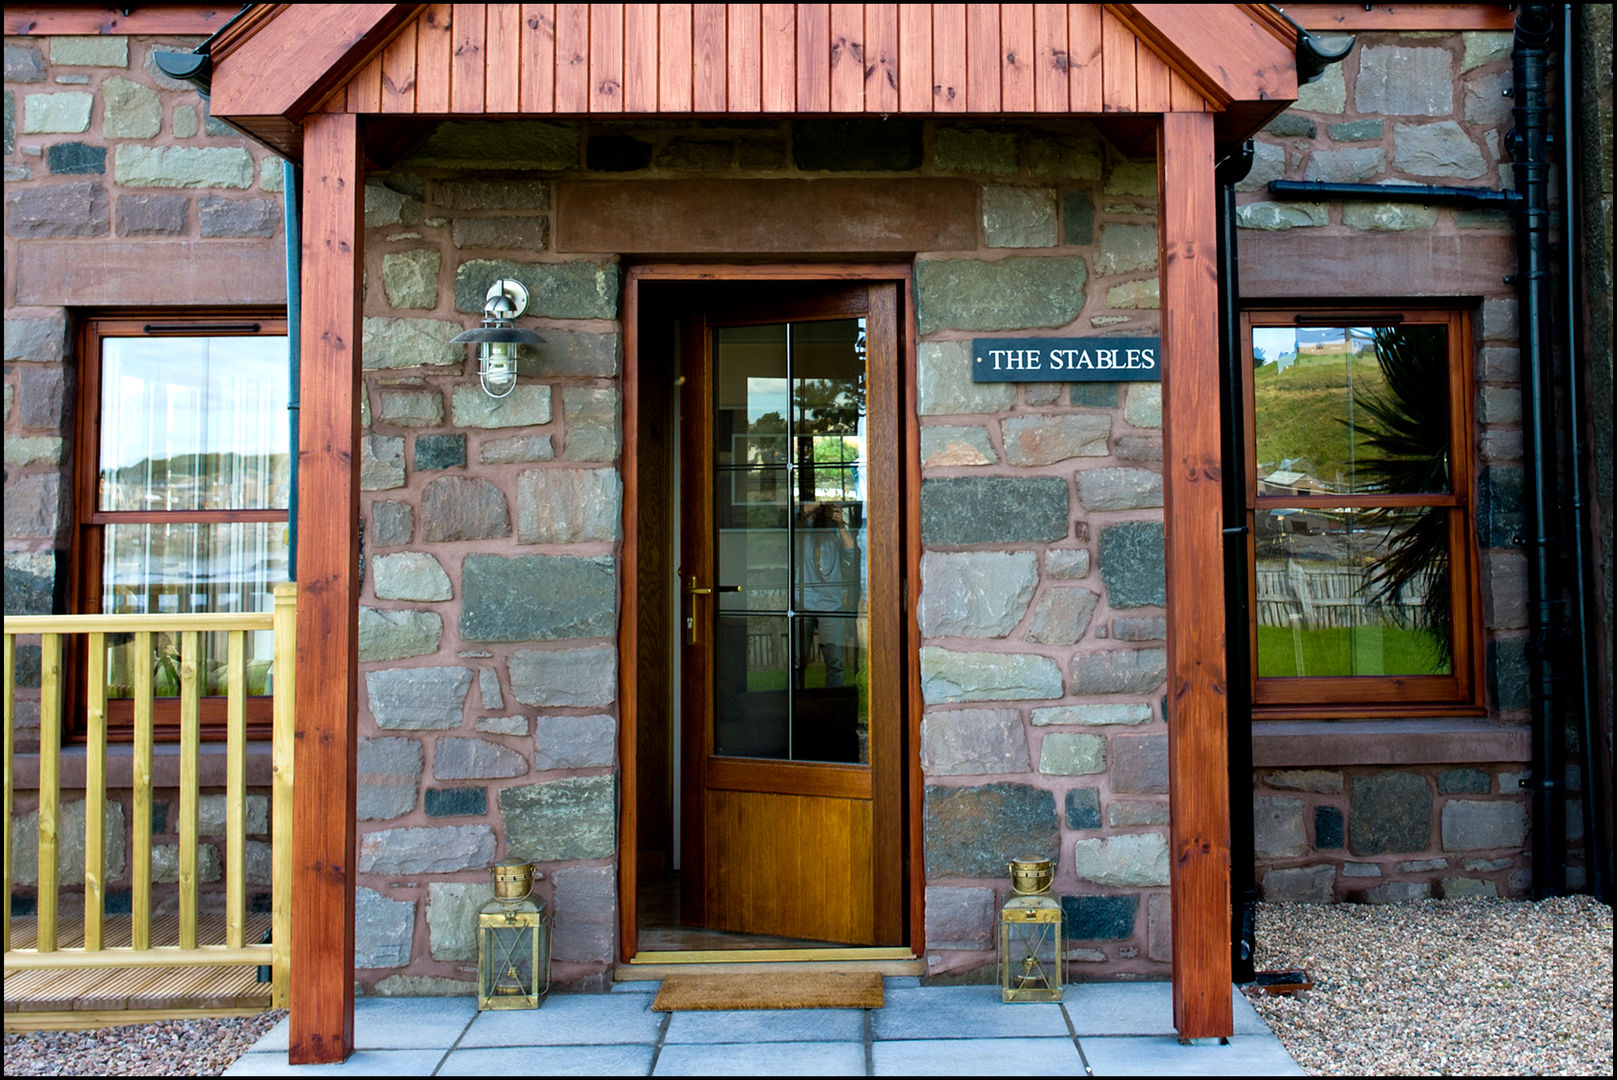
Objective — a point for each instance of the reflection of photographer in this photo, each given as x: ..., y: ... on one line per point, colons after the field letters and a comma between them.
x: 828, y: 581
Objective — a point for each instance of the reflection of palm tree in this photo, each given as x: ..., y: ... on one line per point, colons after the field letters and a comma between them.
x: 1405, y: 430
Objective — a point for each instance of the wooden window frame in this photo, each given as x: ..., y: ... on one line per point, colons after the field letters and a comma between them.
x: 90, y: 521
x: 1458, y: 693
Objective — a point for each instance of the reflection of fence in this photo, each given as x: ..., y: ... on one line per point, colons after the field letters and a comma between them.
x: 1331, y: 595
x: 129, y: 940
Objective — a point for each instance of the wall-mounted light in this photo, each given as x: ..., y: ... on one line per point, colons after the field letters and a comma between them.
x: 497, y: 340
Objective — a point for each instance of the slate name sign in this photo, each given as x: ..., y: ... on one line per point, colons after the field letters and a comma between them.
x: 1096, y: 359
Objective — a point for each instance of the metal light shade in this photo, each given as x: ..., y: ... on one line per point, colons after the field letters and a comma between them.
x: 496, y: 334
x: 497, y: 340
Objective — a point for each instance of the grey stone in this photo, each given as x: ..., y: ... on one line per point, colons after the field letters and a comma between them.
x: 948, y: 676
x: 1323, y: 781
x: 1508, y: 672
x: 973, y: 742
x: 410, y: 575
x: 410, y: 407
x: 1402, y: 81
x: 1463, y: 782
x: 1045, y: 440
x: 1077, y: 218
x: 1125, y: 249
x: 90, y: 50
x: 1360, y: 869
x: 1140, y: 628
x: 1066, y: 564
x: 1119, y: 671
x: 576, y: 352
x: 455, y: 802
x: 64, y: 113
x: 1419, y: 866
x: 1499, y: 508
x: 391, y: 523
x: 423, y: 986
x: 1327, y: 94
x: 383, y: 928
x: 974, y: 150
x: 1127, y: 813
x: 33, y: 450
x: 1083, y: 808
x: 33, y: 506
x: 166, y: 863
x: 488, y: 686
x: 1472, y: 824
x: 384, y: 207
x: 60, y: 211
x: 565, y: 677
x: 1015, y: 293
x: 1278, y: 827
x: 574, y: 742
x: 1268, y: 160
x: 396, y: 634
x: 960, y: 917
x: 36, y: 339
x: 571, y: 818
x: 497, y: 144
x: 502, y: 725
x: 1119, y: 489
x: 525, y: 406
x: 388, y: 769
x: 410, y: 278
x: 434, y: 849
x: 1300, y: 885
x: 182, y: 166
x: 857, y: 145
x: 944, y: 386
x: 954, y: 446
x: 1347, y: 165
x: 1065, y: 754
x: 1437, y: 151
x: 409, y: 341
x: 1034, y: 394
x: 1019, y: 217
x: 1481, y: 47
x: 1357, y: 131
x: 1461, y: 888
x: 24, y: 64
x: 1499, y: 319
x: 69, y: 843
x: 1504, y: 575
x: 586, y: 914
x: 1100, y: 918
x: 1123, y: 860
x: 1488, y: 102
x: 1066, y: 157
x: 129, y: 110
x: 463, y: 508
x: 76, y: 159
x: 1062, y: 616
x: 536, y: 598
x: 1142, y: 408
x: 430, y: 698
x: 502, y: 233
x: 1289, y: 125
x: 213, y: 815
x: 1269, y: 216
x: 592, y: 424
x: 1388, y: 217
x: 517, y: 449
x: 1133, y: 178
x: 1398, y: 892
x: 974, y: 832
x: 452, y: 908
x: 185, y: 122
x: 578, y: 289
x: 435, y: 452
x: 993, y: 510
x: 152, y: 215
x: 1135, y: 294
x: 30, y: 582
x: 1132, y: 564
x: 1392, y: 813
x: 475, y: 759
x: 975, y: 593
x: 1140, y: 764
x: 1488, y: 866
x: 492, y: 194
x: 1128, y: 713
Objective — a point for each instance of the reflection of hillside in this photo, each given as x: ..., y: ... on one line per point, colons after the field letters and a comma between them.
x: 192, y: 481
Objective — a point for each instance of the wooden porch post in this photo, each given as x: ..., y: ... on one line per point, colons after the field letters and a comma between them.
x: 328, y: 592
x: 1198, y: 786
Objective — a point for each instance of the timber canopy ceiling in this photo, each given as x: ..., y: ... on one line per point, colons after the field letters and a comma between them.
x: 279, y: 63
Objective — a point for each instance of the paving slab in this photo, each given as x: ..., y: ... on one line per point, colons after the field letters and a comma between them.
x: 963, y: 1012
x: 976, y: 1057
x: 1140, y: 1009
x: 763, y: 1059
x: 570, y: 1020
x: 360, y: 1063
x: 1154, y: 1055
x: 766, y: 1025
x: 624, y: 1060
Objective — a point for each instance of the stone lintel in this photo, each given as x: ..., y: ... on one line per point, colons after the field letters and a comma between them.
x: 1301, y: 743
x: 1365, y: 263
x: 98, y: 274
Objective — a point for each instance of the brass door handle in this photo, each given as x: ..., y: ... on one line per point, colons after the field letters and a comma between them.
x: 690, y: 616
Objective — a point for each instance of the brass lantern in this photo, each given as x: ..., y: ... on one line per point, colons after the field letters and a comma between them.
x: 513, y: 942
x: 1032, y: 936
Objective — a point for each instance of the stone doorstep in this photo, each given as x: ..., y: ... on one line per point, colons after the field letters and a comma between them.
x: 165, y: 767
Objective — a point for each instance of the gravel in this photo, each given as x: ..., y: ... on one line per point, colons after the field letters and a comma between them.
x: 1425, y: 988
x: 1434, y: 987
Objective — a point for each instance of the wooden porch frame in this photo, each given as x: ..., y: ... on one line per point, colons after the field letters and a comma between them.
x: 1249, y: 77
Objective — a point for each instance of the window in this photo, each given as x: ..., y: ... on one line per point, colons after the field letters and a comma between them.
x: 1363, y: 564
x: 183, y: 486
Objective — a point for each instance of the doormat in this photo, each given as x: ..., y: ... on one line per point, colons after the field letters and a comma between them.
x: 771, y: 990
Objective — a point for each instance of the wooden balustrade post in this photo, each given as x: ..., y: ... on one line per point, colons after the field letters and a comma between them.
x: 1198, y: 777
x: 322, y: 1027
x: 284, y: 690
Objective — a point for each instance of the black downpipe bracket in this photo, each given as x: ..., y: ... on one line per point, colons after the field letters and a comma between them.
x: 1529, y: 149
x: 1237, y: 631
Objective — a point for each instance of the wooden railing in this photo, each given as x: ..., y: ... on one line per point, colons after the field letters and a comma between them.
x: 141, y: 951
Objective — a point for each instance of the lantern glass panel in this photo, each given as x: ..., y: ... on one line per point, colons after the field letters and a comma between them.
x: 513, y: 955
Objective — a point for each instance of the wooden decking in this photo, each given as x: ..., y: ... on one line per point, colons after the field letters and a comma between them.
x: 95, y: 997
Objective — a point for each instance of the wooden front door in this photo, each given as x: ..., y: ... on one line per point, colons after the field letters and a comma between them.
x: 790, y: 607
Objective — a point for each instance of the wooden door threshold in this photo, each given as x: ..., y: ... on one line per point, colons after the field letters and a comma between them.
x: 882, y: 961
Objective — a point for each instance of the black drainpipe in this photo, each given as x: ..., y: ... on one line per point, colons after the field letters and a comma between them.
x: 291, y: 185
x: 1237, y: 631
x: 1529, y: 148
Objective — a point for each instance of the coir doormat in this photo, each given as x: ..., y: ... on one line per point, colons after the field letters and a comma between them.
x: 771, y: 990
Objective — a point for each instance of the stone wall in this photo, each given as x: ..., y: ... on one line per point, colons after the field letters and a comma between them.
x: 1409, y: 108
